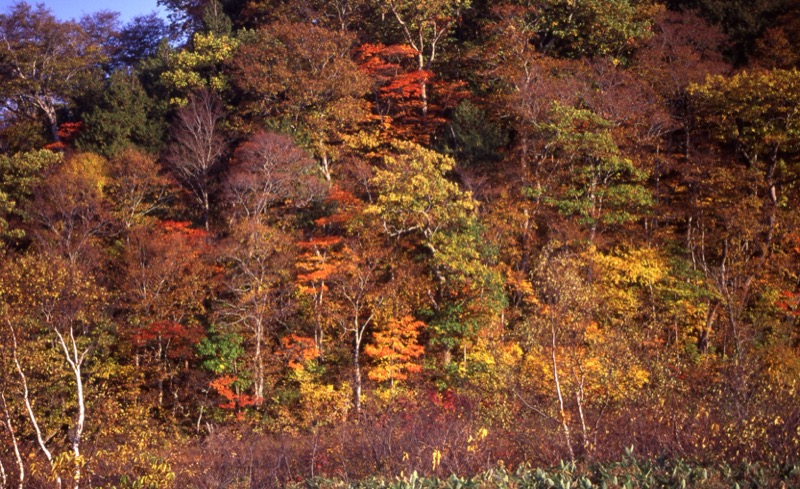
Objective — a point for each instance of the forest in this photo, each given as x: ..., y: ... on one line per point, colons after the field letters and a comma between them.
x: 428, y: 243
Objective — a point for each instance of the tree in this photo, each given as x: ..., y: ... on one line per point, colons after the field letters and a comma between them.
x: 43, y: 63
x: 197, y: 147
x: 138, y: 187
x: 424, y: 25
x: 69, y: 213
x: 301, y: 77
x: 342, y: 15
x: 122, y: 115
x: 257, y: 296
x: 198, y: 67
x: 757, y: 113
x: 163, y: 296
x: 579, y: 340
x: 48, y: 296
x: 19, y: 175
x: 191, y: 16
x: 743, y: 21
x: 268, y: 170
x: 138, y: 40
x: 394, y: 349
x: 420, y: 207
x: 356, y: 289
x: 405, y: 113
x: 417, y: 198
x: 592, y: 28
x: 591, y: 179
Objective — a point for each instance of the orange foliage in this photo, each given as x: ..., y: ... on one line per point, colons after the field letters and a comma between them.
x: 394, y: 350
x: 297, y: 350
x: 399, y: 86
x: 225, y: 388
x: 346, y: 206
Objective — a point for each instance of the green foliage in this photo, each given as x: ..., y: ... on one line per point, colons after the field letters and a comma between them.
x: 19, y: 174
x: 596, y: 183
x: 157, y: 474
x: 630, y: 473
x: 221, y: 352
x: 593, y: 27
x: 123, y: 115
x: 475, y: 138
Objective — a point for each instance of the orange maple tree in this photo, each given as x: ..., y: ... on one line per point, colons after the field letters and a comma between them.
x: 406, y: 108
x: 394, y: 349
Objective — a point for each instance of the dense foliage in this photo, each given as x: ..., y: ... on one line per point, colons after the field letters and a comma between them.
x: 388, y: 241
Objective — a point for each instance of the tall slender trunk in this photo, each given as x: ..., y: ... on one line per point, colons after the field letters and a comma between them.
x: 79, y: 426
x: 357, y: 380
x: 29, y: 406
x: 423, y: 85
x: 259, y: 363
x: 562, y: 412
x: 326, y: 166
x: 17, y: 454
x: 357, y: 336
x: 206, y: 209
x: 75, y: 360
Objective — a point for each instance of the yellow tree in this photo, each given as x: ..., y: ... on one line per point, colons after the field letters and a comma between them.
x: 579, y: 350
x: 199, y: 66
x: 51, y: 310
x: 421, y: 208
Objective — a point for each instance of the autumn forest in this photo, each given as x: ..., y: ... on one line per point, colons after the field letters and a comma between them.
x: 261, y: 243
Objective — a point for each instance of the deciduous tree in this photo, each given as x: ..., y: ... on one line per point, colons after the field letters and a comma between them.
x: 43, y: 62
x: 197, y: 147
x: 301, y: 77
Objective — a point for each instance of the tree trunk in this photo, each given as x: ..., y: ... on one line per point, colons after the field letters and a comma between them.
x: 206, y: 209
x: 17, y: 454
x: 562, y: 412
x: 423, y: 86
x: 49, y: 112
x: 259, y: 364
x: 357, y: 377
x: 29, y: 406
x: 75, y: 361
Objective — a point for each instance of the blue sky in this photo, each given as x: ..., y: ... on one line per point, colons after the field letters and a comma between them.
x: 69, y: 9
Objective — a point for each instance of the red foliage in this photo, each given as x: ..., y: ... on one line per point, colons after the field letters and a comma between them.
x: 67, y: 133
x: 790, y: 302
x: 296, y: 350
x: 445, y: 400
x: 185, y: 230
x: 225, y: 388
x: 176, y: 339
x: 399, y: 85
x: 346, y: 206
